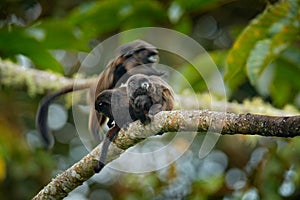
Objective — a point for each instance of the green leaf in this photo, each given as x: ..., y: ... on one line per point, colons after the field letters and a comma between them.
x: 286, y: 84
x: 292, y: 56
x: 151, y: 11
x: 18, y: 42
x: 265, y: 51
x: 196, y: 5
x: 96, y: 18
x: 59, y: 34
x: 259, y: 56
x: 281, y: 92
x: 272, y: 31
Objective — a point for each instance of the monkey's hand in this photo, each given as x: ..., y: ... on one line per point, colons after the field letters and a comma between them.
x: 156, y: 108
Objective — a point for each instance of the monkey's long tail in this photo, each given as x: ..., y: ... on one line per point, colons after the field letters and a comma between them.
x: 110, y: 136
x: 43, y: 109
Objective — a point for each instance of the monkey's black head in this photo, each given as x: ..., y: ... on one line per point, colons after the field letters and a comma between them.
x: 146, y: 56
x: 141, y: 51
x: 137, y: 57
x: 103, y: 103
x: 138, y: 85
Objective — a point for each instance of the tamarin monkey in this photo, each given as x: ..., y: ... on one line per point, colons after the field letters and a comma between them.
x: 137, y: 57
x: 140, y: 99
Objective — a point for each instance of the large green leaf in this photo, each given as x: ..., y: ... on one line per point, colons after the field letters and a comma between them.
x: 262, y: 41
x: 96, y: 18
x: 193, y: 5
x: 281, y: 90
x: 152, y: 12
x: 286, y: 84
x: 283, y: 33
x: 16, y: 41
x: 292, y: 56
x: 59, y: 34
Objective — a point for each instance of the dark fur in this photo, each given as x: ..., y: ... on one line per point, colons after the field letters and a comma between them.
x: 143, y: 97
x: 43, y: 109
x: 149, y: 95
x: 133, y: 58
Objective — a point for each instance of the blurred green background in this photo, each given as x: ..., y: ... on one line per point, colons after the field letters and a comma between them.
x: 255, y: 44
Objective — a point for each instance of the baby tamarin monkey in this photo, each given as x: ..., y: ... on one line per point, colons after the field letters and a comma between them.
x: 140, y: 99
x: 137, y: 57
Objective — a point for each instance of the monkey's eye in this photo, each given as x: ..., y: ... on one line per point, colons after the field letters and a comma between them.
x: 153, y: 58
x: 100, y: 104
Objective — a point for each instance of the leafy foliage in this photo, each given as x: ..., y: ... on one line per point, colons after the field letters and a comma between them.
x: 18, y: 42
x: 74, y: 31
x: 268, y: 38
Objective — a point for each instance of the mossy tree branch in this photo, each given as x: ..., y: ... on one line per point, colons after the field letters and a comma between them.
x: 41, y: 82
x: 34, y: 80
x: 171, y: 121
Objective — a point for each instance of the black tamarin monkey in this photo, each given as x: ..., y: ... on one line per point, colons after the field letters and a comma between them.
x: 149, y: 95
x: 137, y: 57
x: 141, y: 98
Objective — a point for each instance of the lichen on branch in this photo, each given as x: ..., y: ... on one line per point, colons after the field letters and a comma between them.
x: 33, y: 80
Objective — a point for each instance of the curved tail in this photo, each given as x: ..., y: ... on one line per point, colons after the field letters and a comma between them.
x: 43, y: 109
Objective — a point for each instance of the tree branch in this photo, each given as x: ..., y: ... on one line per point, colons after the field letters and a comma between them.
x: 171, y: 121
x: 41, y: 82
x: 35, y: 81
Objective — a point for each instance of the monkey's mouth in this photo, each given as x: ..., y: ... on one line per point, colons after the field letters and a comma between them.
x: 154, y: 58
x: 140, y: 91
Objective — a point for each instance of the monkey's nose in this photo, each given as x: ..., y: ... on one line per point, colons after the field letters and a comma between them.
x: 145, y: 85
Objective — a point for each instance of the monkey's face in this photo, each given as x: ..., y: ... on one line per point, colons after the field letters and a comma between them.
x: 103, y: 104
x: 146, y: 56
x: 114, y: 104
x: 141, y: 51
x: 138, y: 85
x: 137, y: 58
x: 142, y: 57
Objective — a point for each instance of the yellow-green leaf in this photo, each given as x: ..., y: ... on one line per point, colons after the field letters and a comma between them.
x: 269, y: 31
